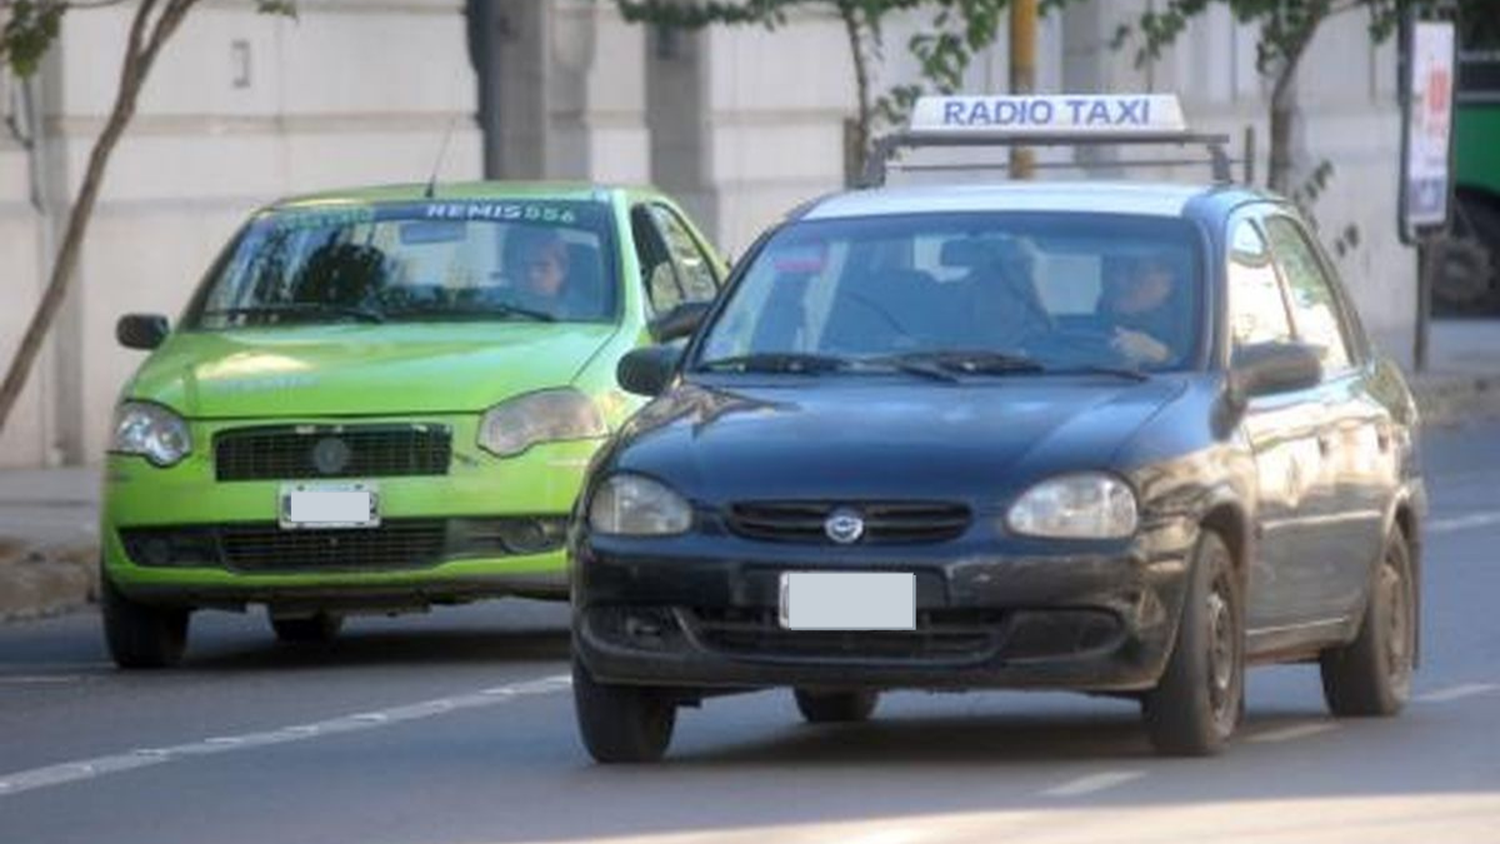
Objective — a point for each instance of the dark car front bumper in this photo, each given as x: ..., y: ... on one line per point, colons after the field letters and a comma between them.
x: 702, y: 612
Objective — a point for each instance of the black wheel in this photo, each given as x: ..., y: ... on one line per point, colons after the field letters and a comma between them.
x: 141, y: 635
x: 1196, y: 706
x: 622, y: 724
x: 836, y: 707
x: 314, y: 629
x: 1371, y: 676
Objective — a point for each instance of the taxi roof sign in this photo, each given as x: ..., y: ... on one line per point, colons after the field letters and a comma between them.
x: 1050, y: 120
x: 1095, y: 115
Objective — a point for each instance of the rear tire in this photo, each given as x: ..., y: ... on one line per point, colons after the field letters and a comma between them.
x: 621, y: 724
x: 1199, y: 701
x: 836, y: 707
x: 140, y: 635
x: 1371, y: 676
x: 317, y: 629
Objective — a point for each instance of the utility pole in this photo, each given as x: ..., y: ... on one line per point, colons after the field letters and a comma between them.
x: 1023, y: 15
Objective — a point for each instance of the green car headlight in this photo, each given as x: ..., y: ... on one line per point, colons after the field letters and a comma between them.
x: 635, y: 505
x: 151, y: 431
x: 1088, y: 505
x: 511, y: 427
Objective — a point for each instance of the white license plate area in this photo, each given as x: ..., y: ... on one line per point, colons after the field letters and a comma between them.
x: 314, y: 506
x: 848, y: 601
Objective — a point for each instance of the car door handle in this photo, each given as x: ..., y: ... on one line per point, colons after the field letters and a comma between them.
x: 1325, y: 444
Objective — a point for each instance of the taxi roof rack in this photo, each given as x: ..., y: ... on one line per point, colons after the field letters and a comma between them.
x: 878, y: 164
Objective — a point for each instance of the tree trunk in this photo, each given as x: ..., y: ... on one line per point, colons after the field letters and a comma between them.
x: 1279, y: 173
x: 1283, y: 115
x: 862, y: 125
x: 140, y: 53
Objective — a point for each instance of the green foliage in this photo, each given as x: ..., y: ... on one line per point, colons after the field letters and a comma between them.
x: 32, y: 25
x: 960, y: 29
x: 29, y: 30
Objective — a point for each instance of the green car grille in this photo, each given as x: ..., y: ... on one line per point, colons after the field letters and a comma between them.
x: 299, y: 452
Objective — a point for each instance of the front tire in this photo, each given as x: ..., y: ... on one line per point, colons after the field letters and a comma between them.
x: 1196, y: 706
x: 141, y: 635
x: 317, y: 629
x: 621, y: 724
x: 1371, y: 676
x: 836, y: 707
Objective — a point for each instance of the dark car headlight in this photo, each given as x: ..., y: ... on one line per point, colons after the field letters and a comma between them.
x: 1087, y: 505
x: 635, y: 505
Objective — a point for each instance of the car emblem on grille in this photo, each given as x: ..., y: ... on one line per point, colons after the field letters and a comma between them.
x: 331, y: 455
x: 844, y: 526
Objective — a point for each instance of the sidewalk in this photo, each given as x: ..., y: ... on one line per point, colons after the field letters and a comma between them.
x: 49, y: 539
x: 48, y: 517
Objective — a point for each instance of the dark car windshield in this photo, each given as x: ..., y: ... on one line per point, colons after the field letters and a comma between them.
x: 432, y: 261
x: 982, y: 293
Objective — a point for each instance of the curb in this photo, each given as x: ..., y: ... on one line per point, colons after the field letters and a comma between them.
x: 46, y: 580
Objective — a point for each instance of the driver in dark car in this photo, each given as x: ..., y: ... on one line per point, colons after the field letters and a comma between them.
x: 1142, y: 304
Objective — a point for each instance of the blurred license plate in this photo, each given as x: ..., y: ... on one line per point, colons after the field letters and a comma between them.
x: 354, y: 505
x: 848, y: 601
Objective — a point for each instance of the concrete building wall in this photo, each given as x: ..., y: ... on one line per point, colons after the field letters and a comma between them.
x: 240, y: 110
x: 740, y: 124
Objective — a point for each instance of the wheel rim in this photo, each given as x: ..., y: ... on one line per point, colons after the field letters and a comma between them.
x: 1399, y: 630
x: 1223, y: 654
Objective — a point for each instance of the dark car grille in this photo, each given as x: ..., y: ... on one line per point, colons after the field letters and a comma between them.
x: 358, y: 451
x: 950, y: 636
x: 885, y: 522
x: 396, y: 545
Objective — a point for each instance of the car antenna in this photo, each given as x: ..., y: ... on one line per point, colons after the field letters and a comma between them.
x: 437, y: 165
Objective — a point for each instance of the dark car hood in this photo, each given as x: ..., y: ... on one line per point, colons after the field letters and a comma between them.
x: 902, y: 440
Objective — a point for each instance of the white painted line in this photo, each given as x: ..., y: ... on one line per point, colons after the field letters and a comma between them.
x: 1292, y: 733
x: 67, y: 772
x: 1472, y: 520
x: 39, y: 679
x: 1093, y: 783
x: 1458, y: 692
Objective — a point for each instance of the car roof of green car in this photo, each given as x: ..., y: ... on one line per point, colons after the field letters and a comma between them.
x: 468, y: 191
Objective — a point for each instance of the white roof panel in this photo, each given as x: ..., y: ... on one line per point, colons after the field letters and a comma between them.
x: 1151, y: 199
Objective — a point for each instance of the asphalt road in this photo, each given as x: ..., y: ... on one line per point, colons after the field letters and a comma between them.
x: 458, y: 727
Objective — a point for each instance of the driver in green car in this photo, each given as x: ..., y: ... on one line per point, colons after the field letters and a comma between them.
x: 380, y: 401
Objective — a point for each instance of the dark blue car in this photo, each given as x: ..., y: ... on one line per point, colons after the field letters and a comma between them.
x: 1111, y: 438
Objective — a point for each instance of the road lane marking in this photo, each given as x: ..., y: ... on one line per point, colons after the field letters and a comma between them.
x: 1458, y: 692
x: 1292, y: 733
x: 1456, y: 523
x: 85, y: 769
x: 38, y: 679
x: 1093, y: 783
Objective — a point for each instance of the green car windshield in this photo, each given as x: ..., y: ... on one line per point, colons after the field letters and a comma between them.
x: 544, y: 261
x: 976, y: 293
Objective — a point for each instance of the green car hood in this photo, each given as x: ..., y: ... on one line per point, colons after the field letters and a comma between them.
x: 344, y: 370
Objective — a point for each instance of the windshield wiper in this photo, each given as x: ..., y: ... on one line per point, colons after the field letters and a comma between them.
x: 969, y: 362
x: 1120, y: 371
x: 919, y: 364
x: 361, y: 314
x: 486, y: 312
x: 800, y: 363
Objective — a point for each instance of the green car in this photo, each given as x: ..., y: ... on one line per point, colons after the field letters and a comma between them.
x: 383, y: 400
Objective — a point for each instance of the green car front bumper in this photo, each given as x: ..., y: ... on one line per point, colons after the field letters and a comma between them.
x: 490, y: 527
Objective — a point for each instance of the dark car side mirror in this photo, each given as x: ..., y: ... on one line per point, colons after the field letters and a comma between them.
x: 142, y: 331
x: 1266, y: 368
x: 681, y: 321
x: 647, y: 371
